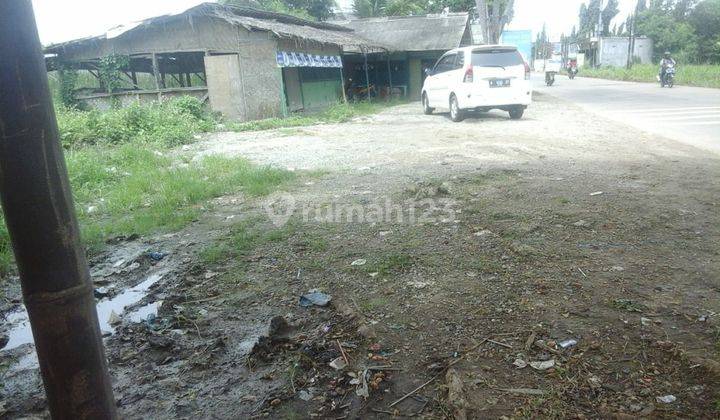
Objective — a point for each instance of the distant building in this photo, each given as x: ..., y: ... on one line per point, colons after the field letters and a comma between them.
x: 613, y: 51
x: 247, y: 63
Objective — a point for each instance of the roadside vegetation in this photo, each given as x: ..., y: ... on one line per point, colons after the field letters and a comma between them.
x: 339, y: 113
x: 128, y: 176
x: 127, y: 181
x: 690, y: 75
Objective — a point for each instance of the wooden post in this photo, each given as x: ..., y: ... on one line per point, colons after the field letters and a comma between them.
x: 39, y: 212
x: 188, y: 79
x: 367, y: 75
x: 156, y: 71
x: 389, y: 76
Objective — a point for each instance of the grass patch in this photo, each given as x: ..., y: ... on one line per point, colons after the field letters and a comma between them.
x: 244, y: 237
x: 390, y: 263
x: 125, y: 182
x: 339, y: 113
x: 690, y: 74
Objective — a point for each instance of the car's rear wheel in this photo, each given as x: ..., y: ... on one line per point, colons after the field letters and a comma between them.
x: 517, y: 112
x: 456, y: 114
x: 427, y: 110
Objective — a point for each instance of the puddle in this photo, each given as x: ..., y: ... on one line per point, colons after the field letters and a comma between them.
x: 21, y: 333
x: 122, y: 301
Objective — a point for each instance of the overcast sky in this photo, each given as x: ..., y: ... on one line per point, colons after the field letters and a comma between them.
x: 70, y: 19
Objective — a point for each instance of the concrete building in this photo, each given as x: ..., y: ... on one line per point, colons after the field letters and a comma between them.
x: 613, y: 51
x: 249, y: 64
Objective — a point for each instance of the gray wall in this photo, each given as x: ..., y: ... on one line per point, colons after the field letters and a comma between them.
x: 614, y: 51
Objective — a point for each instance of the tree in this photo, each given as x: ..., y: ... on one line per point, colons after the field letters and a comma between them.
x: 306, y: 9
x: 585, y: 25
x: 494, y: 15
x: 593, y: 17
x: 668, y: 34
x: 405, y: 8
x: 608, y: 14
x: 369, y: 8
x: 705, y: 19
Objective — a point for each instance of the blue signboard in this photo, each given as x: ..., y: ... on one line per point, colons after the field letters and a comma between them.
x: 296, y: 59
x: 522, y: 39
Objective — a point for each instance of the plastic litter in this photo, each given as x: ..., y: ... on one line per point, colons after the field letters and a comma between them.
x: 543, y: 365
x: 358, y: 262
x: 568, y: 343
x: 156, y: 256
x: 338, y: 364
x: 314, y: 298
x: 666, y: 399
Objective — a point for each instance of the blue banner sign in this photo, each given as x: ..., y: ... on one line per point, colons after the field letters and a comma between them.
x: 297, y: 59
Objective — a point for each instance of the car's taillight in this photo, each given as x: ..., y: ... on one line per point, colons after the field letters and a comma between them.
x: 468, y: 75
x: 527, y: 71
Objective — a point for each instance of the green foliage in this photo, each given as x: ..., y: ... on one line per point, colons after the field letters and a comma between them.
x: 110, y: 71
x: 668, y: 34
x: 690, y: 75
x: 168, y: 123
x: 67, y: 81
x: 125, y: 182
x: 335, y: 114
x: 687, y: 28
x: 608, y: 14
x: 304, y: 9
x: 705, y: 19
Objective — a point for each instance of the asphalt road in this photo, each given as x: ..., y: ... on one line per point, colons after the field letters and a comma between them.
x: 687, y: 114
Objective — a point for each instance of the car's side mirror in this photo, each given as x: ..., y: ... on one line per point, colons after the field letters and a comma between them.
x: 429, y: 71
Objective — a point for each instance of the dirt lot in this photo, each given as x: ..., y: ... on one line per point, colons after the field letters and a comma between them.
x: 460, y: 259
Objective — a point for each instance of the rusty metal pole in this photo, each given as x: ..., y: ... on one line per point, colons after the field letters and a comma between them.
x: 37, y: 202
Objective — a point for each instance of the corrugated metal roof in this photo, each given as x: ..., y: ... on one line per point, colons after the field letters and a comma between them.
x: 413, y: 33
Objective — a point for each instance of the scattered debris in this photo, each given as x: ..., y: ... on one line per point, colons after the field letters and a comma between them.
x: 593, y: 194
x: 305, y: 395
x: 114, y: 319
x: 483, y: 232
x: 567, y: 343
x: 522, y: 391
x: 545, y: 365
x: 666, y: 399
x: 314, y: 298
x: 456, y: 394
x: 581, y: 223
x: 520, y: 363
x: 617, y: 268
x: 645, y: 322
x: 367, y: 331
x: 156, y: 256
x: 359, y: 262
x: 338, y: 363
x: 419, y: 284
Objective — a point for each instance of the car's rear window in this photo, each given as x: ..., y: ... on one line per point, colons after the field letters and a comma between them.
x: 504, y: 58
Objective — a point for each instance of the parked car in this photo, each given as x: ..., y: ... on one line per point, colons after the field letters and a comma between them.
x: 481, y: 77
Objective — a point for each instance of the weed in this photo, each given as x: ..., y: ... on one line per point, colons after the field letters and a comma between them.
x: 391, y: 263
x: 691, y: 75
x: 628, y: 305
x: 341, y: 112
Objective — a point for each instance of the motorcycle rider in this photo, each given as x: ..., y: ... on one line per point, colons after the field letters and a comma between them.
x: 666, y: 61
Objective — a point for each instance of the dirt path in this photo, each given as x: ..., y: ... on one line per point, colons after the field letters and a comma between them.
x: 483, y: 245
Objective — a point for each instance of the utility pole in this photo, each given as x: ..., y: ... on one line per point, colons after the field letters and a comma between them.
x: 631, y: 42
x: 37, y: 203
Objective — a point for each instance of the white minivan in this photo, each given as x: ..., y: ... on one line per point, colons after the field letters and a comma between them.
x: 481, y: 77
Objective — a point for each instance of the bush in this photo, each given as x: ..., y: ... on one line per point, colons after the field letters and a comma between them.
x: 690, y: 75
x: 169, y: 123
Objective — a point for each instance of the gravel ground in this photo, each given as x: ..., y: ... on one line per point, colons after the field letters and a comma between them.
x: 560, y: 226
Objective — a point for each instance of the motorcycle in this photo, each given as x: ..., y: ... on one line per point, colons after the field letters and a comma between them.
x: 549, y: 78
x: 572, y: 72
x: 668, y: 78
